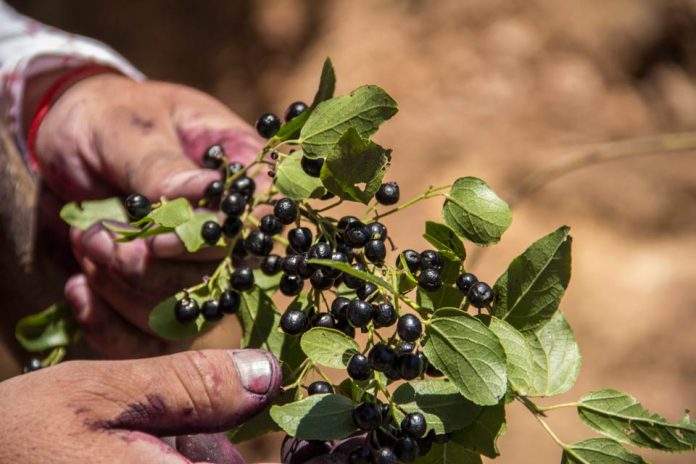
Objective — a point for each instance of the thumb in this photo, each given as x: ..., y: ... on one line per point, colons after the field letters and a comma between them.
x: 187, y: 393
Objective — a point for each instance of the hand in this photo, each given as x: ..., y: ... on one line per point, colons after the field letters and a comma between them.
x: 109, y: 135
x: 113, y: 411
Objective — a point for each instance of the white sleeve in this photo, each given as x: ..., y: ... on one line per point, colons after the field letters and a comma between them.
x: 28, y: 48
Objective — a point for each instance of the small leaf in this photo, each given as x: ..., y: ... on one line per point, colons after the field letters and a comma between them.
x: 171, y: 213
x: 482, y: 435
x: 475, y: 212
x: 327, y: 83
x: 190, y: 231
x: 444, y: 408
x: 294, y: 183
x: 329, y: 347
x: 365, y: 109
x: 268, y: 284
x: 451, y: 452
x: 444, y: 239
x: 317, y: 417
x: 354, y: 161
x: 530, y: 291
x: 51, y: 328
x: 599, y: 451
x: 348, y: 269
x: 444, y: 297
x: 469, y: 354
x: 542, y: 363
x: 87, y: 213
x: 621, y: 417
x: 164, y: 324
x: 261, y: 322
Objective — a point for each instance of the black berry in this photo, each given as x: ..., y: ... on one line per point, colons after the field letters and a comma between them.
x: 213, y: 156
x: 412, y: 258
x: 320, y: 280
x: 233, y: 204
x: 367, y: 417
x: 324, y: 320
x: 213, y: 192
x: 410, y: 366
x: 378, y: 231
x: 267, y: 125
x: 293, y: 322
x: 239, y: 251
x: 353, y: 282
x: 137, y: 206
x: 431, y: 259
x: 360, y: 455
x: 257, y: 243
x: 384, y: 456
x: 211, y: 311
x: 211, y: 232
x: 388, y: 193
x: 320, y: 388
x: 414, y: 425
x: 359, y: 367
x: 480, y: 295
x: 375, y: 251
x: 300, y: 239
x: 294, y: 110
x: 232, y: 227
x: 345, y: 221
x: 321, y: 250
x: 384, y: 315
x: 229, y: 302
x: 234, y: 167
x: 186, y: 310
x: 291, y: 285
x: 405, y: 348
x: 34, y: 364
x: 425, y: 444
x: 345, y: 327
x: 242, y: 279
x: 433, y: 371
x: 312, y: 167
x: 366, y: 291
x: 442, y: 438
x: 406, y: 449
x: 465, y: 282
x: 356, y: 234
x: 409, y: 328
x: 285, y: 210
x: 339, y: 308
x: 304, y: 270
x: 271, y: 265
x: 337, y: 257
x: 381, y: 357
x: 430, y: 280
x: 270, y: 225
x: 359, y: 313
x: 244, y: 185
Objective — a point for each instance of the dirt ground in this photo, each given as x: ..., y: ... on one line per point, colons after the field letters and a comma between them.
x: 495, y: 89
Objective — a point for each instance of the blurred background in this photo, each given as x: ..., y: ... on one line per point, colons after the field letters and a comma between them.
x: 495, y: 89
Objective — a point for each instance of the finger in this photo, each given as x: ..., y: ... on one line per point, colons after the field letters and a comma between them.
x: 103, y: 329
x: 187, y: 393
x: 214, y: 447
x: 129, y: 447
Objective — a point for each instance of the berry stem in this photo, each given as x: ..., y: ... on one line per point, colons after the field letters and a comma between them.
x: 557, y: 406
x: 431, y: 192
x: 333, y: 205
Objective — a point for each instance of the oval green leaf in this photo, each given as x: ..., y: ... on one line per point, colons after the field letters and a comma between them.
x: 317, y: 417
x: 329, y: 347
x: 599, y: 451
x: 86, y: 213
x: 294, y: 183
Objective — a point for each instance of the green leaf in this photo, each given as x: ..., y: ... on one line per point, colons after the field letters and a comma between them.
x: 364, y: 109
x: 354, y: 161
x: 621, y: 417
x: 164, y: 324
x: 268, y: 284
x: 51, y: 328
x: 348, y: 269
x: 317, y: 417
x: 530, y: 291
x: 482, y: 435
x: 542, y: 363
x: 261, y: 322
x: 471, y: 356
x: 329, y: 347
x: 294, y: 183
x: 475, y: 212
x: 171, y: 213
x: 444, y: 239
x: 444, y: 297
x: 444, y: 408
x: 87, y: 213
x: 451, y: 452
x: 190, y: 231
x: 327, y: 83
x: 599, y: 451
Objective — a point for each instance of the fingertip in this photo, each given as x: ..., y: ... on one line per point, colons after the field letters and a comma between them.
x: 259, y: 372
x: 76, y: 292
x: 189, y: 184
x: 209, y: 448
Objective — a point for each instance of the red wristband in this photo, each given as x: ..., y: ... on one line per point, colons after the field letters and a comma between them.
x: 49, y: 99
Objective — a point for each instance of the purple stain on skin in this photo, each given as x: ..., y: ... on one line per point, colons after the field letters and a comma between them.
x: 143, y: 123
x: 208, y: 448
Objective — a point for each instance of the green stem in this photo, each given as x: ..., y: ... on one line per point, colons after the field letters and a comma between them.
x: 431, y: 192
x: 557, y: 406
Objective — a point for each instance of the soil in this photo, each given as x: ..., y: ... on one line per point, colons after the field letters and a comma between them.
x: 495, y: 89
